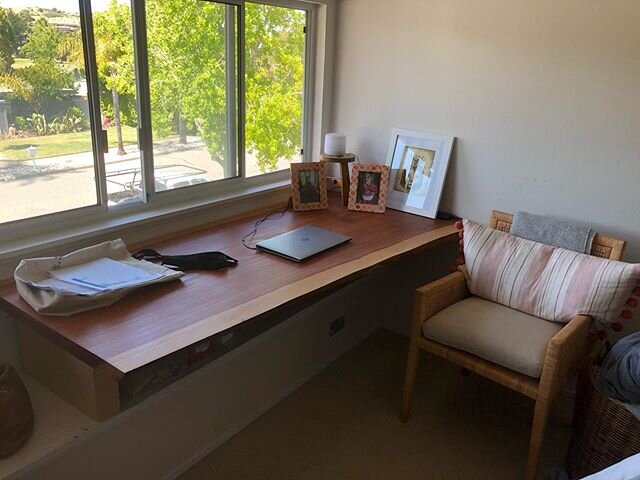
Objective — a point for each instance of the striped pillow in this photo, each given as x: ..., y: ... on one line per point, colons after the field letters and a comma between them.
x: 545, y: 281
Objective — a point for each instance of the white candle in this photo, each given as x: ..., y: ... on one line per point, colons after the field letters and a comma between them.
x: 335, y: 144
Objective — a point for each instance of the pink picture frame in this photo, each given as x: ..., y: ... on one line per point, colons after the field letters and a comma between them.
x: 309, y: 186
x: 369, y: 187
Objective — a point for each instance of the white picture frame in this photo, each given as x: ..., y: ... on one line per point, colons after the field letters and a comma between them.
x: 418, y: 165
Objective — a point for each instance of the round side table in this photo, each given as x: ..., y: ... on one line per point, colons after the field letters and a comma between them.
x: 344, y: 161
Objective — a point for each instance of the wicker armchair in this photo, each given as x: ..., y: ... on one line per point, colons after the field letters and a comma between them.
x: 566, y: 350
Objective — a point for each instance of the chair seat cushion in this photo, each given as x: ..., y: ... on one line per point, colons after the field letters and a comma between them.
x: 499, y: 334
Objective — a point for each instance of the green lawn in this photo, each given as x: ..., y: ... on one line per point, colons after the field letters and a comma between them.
x: 62, y: 144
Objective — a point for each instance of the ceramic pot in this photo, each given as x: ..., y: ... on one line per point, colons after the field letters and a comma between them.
x: 16, y: 412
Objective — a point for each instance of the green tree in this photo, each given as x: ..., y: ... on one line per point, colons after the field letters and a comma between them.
x: 187, y: 70
x: 114, y: 58
x: 21, y: 23
x: 39, y: 83
x: 6, y: 37
x: 19, y: 87
x: 43, y: 43
x: 71, y: 50
x: 187, y: 73
x: 275, y: 41
x: 45, y: 79
x: 187, y: 63
x: 13, y: 29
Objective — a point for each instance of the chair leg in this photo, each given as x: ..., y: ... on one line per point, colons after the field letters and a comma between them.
x: 540, y: 417
x: 409, y: 381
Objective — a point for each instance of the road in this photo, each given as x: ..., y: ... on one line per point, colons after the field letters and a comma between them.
x: 62, y: 183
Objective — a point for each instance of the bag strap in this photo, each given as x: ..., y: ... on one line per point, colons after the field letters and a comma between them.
x: 177, y: 262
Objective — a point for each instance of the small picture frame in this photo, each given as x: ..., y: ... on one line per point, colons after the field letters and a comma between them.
x: 309, y: 186
x: 419, y: 163
x: 369, y: 185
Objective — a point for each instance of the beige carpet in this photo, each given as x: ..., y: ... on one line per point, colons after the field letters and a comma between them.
x: 343, y: 424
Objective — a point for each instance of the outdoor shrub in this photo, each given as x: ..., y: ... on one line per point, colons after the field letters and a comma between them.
x: 56, y: 126
x: 21, y: 123
x: 74, y: 120
x: 38, y: 124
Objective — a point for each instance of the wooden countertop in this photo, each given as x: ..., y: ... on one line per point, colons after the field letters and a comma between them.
x: 160, y: 319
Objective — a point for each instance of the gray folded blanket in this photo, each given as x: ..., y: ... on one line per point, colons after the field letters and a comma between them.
x: 558, y: 233
x: 619, y: 375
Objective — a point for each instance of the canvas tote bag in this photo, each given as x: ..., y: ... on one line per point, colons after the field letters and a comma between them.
x: 31, y: 272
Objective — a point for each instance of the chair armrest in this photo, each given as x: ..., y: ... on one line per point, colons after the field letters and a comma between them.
x: 566, y: 352
x: 429, y: 299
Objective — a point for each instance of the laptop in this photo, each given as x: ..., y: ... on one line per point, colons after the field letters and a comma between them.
x: 302, y: 243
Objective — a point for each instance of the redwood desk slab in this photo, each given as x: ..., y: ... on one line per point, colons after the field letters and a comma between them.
x: 158, y: 320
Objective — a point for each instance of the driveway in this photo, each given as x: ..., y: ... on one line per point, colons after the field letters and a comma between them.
x: 49, y: 185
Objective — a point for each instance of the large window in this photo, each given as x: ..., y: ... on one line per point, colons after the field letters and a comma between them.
x: 47, y: 161
x: 275, y: 52
x: 192, y: 80
x: 106, y: 103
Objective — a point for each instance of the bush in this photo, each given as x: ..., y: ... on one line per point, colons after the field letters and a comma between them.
x: 56, y: 126
x: 38, y: 124
x: 21, y: 123
x: 74, y: 121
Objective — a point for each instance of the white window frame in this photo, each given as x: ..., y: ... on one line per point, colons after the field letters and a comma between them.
x: 53, y: 226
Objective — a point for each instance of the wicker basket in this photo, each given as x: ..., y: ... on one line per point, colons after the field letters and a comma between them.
x: 605, y: 433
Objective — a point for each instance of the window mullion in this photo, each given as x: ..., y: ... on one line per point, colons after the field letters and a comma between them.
x: 231, y: 153
x: 241, y: 91
x: 98, y: 136
x: 308, y: 85
x: 145, y: 137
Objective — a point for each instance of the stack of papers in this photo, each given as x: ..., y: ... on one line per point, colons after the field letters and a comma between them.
x: 97, y: 276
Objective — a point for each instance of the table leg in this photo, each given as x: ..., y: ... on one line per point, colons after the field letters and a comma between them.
x: 344, y: 173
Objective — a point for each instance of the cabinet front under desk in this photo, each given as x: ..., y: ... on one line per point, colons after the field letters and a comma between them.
x: 145, y: 381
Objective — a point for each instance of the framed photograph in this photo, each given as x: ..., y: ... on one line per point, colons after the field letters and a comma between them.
x: 309, y: 186
x: 418, y: 163
x: 368, y: 189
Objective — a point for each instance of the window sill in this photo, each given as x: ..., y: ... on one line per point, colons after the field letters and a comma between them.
x: 141, y: 223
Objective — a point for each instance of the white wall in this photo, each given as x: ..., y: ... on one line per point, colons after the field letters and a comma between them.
x: 543, y: 95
